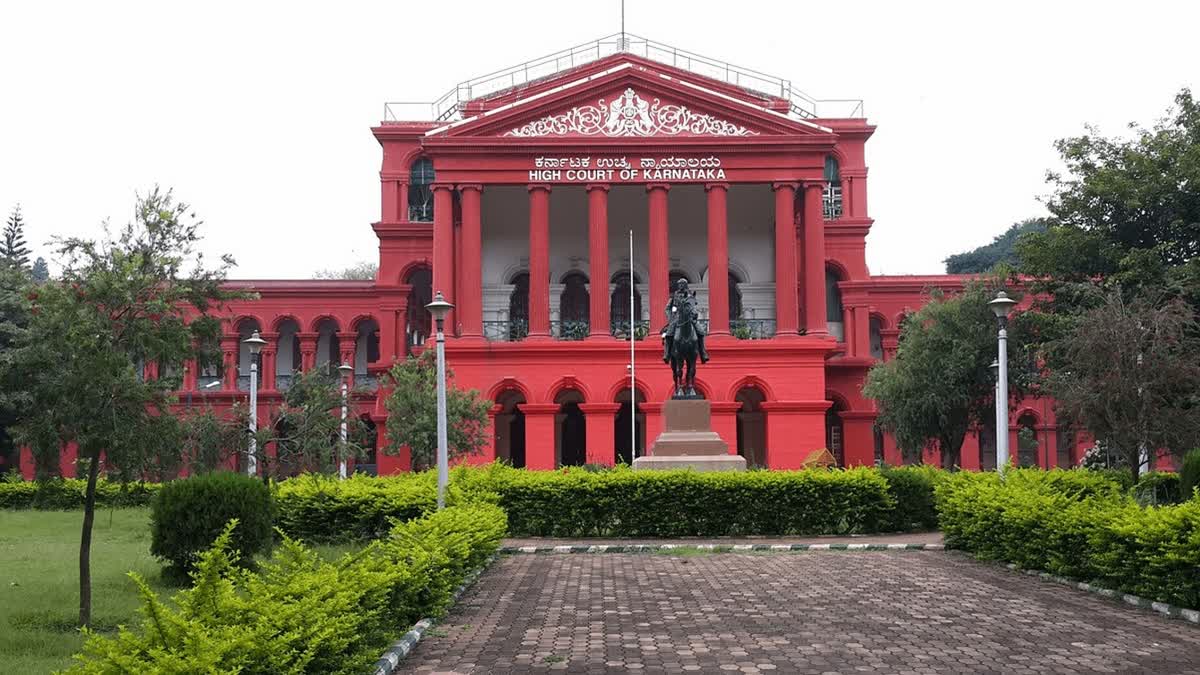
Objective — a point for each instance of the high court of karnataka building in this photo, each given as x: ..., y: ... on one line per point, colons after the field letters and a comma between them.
x: 514, y: 196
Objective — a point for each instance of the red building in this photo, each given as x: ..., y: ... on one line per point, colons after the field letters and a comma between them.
x: 514, y: 195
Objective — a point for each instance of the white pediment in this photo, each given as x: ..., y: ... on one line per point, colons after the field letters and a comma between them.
x: 630, y: 115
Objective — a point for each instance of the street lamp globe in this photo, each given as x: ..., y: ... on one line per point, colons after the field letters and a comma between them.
x: 255, y: 343
x: 439, y: 307
x: 345, y: 369
x: 1002, y: 305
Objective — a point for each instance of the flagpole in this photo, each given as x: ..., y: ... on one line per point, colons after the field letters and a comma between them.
x: 632, y: 374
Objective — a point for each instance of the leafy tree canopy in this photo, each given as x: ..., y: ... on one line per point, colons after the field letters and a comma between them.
x: 412, y: 412
x: 1131, y: 375
x: 120, y: 302
x: 1125, y: 213
x: 939, y: 385
x: 1001, y: 250
x: 362, y: 271
x: 306, y: 429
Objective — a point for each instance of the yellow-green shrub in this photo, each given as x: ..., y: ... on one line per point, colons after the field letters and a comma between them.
x: 300, y: 614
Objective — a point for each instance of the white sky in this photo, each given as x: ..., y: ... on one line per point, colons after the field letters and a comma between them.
x: 258, y: 113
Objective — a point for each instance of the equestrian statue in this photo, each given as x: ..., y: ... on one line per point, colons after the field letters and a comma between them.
x: 683, y: 340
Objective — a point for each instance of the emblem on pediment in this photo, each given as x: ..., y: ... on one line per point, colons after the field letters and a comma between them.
x: 630, y: 115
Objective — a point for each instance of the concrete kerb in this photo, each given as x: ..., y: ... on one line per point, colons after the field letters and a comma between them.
x: 401, y: 648
x: 711, y: 548
x: 1165, y: 609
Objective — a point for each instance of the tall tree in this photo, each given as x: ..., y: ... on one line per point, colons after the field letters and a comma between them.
x: 14, y: 321
x: 121, y: 301
x: 1125, y: 214
x: 40, y: 271
x: 13, y: 249
x: 412, y: 412
x: 1132, y: 375
x: 939, y: 385
x: 1001, y: 250
x: 306, y: 429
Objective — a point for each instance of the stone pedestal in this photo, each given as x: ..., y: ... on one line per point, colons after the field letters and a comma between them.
x: 688, y: 441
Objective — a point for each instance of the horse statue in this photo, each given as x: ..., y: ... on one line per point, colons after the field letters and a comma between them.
x: 684, y: 343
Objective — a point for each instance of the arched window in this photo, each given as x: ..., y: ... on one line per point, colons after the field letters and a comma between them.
x: 833, y: 306
x: 510, y: 428
x: 420, y: 190
x: 618, y: 304
x: 366, y: 352
x: 574, y: 306
x: 518, y: 307
x: 832, y: 202
x: 287, y: 354
x: 629, y: 414
x: 1027, y: 441
x: 245, y: 330
x: 209, y: 366
x: 876, y: 329
x: 570, y: 429
x: 328, y: 347
x: 735, y: 297
x: 368, y: 463
x: 417, y: 319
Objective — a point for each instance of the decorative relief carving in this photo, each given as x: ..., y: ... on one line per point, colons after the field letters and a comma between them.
x: 630, y: 115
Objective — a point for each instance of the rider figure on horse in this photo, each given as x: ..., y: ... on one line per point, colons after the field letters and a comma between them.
x: 678, y: 297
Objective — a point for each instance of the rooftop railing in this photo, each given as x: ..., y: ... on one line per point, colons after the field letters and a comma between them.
x: 449, y: 105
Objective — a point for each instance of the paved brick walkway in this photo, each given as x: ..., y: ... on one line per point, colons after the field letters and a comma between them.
x: 828, y: 612
x: 904, y: 538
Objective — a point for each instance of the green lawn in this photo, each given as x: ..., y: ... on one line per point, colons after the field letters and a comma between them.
x: 39, y: 581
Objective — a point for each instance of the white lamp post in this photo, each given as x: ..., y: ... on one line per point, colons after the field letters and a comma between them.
x: 1001, y: 306
x: 438, y: 308
x: 344, y: 370
x: 255, y: 344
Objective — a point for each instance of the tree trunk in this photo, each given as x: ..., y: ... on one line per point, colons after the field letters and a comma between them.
x: 85, y: 542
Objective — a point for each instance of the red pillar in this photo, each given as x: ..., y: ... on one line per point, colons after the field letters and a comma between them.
x: 794, y: 430
x: 601, y: 418
x: 785, y: 259
x: 230, y: 354
x: 539, y: 264
x: 718, y: 260
x: 267, y: 372
x: 724, y: 421
x: 539, y: 435
x: 470, y: 308
x: 858, y: 437
x: 660, y: 261
x: 861, y: 338
x: 598, y: 263
x: 443, y: 247
x: 308, y: 351
x: 814, y: 260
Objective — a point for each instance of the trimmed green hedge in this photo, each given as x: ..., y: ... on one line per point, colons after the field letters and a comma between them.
x: 301, y: 614
x: 319, y: 508
x: 1066, y: 523
x: 622, y: 503
x: 65, y: 494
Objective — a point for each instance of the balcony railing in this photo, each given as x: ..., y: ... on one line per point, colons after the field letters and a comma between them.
x: 570, y: 330
x: 620, y: 329
x: 450, y: 105
x: 506, y: 331
x: 752, y: 329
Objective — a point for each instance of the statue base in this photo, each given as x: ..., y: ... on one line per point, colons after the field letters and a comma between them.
x: 688, y: 441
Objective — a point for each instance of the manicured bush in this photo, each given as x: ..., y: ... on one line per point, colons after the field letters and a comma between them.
x: 64, y: 494
x: 1076, y: 528
x: 1157, y: 487
x: 300, y: 614
x: 911, y: 488
x: 1189, y: 475
x: 187, y: 515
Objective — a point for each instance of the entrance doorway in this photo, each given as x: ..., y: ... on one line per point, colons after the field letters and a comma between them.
x: 510, y: 428
x: 571, y: 430
x: 752, y: 427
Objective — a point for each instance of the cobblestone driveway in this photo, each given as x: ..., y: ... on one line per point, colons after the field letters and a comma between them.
x: 828, y: 612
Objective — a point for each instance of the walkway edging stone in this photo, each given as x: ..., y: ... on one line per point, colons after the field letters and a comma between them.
x: 1169, y: 610
x: 401, y: 648
x: 712, y: 548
